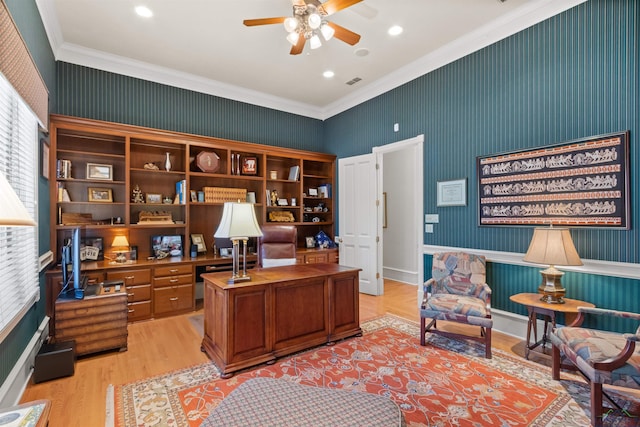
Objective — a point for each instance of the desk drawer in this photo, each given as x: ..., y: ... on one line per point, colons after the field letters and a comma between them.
x: 139, y: 293
x: 139, y: 310
x: 159, y: 282
x: 174, y: 270
x: 131, y: 277
x: 173, y: 298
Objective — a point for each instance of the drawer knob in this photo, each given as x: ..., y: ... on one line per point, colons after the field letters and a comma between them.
x: 173, y: 280
x: 129, y: 277
x: 132, y: 294
x: 131, y: 311
x: 173, y: 270
x: 173, y: 299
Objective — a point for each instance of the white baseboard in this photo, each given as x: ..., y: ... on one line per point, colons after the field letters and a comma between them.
x: 17, y: 380
x: 397, y: 275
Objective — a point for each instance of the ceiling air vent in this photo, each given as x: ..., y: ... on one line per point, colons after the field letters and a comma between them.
x: 353, y: 81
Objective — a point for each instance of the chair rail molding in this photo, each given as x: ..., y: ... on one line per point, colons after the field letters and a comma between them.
x: 603, y: 268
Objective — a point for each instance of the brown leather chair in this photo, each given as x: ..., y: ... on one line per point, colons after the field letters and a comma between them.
x: 277, y: 246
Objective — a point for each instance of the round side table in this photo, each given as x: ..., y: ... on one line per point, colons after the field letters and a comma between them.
x: 548, y: 312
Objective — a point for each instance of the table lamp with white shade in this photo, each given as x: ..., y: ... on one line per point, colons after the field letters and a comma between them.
x: 12, y: 211
x: 120, y: 246
x: 238, y: 223
x: 552, y: 246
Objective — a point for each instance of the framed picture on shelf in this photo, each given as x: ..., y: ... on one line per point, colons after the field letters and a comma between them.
x: 198, y: 240
x: 249, y: 165
x: 91, y: 249
x: 154, y: 198
x: 313, y: 192
x: 104, y: 195
x: 99, y: 171
x: 194, y: 195
x: 294, y: 173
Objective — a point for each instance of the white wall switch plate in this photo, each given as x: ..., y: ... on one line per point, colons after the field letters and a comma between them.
x: 431, y: 218
x: 428, y: 228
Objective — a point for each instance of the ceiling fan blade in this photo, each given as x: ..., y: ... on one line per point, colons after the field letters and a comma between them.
x: 332, y: 6
x: 263, y: 21
x: 343, y: 34
x: 297, y: 49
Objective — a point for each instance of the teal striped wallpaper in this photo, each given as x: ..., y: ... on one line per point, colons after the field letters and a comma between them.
x: 95, y: 94
x: 571, y: 76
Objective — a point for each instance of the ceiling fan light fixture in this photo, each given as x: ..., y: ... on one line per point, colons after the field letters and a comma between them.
x: 314, y: 20
x: 293, y: 38
x: 290, y: 24
x: 315, y: 42
x: 327, y: 31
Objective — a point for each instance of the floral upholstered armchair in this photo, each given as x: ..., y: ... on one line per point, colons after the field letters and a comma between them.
x: 457, y: 292
x: 602, y: 357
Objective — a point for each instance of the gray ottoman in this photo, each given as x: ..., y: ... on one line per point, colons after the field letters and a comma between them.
x: 276, y: 402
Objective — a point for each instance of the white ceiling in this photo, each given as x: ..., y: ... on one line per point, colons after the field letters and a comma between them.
x: 202, y: 45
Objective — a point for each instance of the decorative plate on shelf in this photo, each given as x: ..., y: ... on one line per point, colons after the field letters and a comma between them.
x: 208, y: 161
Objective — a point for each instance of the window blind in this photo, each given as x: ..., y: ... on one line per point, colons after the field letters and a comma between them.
x: 19, y: 285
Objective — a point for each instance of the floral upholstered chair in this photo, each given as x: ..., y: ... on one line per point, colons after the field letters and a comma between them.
x: 602, y: 357
x: 457, y: 292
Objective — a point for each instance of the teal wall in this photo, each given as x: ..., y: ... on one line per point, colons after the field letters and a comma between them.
x: 572, y: 76
x: 27, y: 18
x: 569, y: 77
x: 95, y: 94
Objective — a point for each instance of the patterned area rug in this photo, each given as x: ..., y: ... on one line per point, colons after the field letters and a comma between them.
x: 446, y: 383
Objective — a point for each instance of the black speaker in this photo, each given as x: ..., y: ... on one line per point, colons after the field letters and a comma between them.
x: 55, y: 361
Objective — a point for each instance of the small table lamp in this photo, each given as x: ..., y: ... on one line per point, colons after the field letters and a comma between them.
x: 120, y: 246
x: 12, y: 211
x: 238, y: 223
x: 552, y: 246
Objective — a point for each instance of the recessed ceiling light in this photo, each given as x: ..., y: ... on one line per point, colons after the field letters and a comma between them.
x: 144, y: 11
x: 328, y: 74
x: 395, y: 30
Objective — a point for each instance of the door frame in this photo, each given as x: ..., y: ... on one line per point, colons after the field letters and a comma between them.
x: 416, y: 143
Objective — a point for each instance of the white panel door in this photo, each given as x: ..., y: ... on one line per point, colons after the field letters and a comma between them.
x: 358, y: 219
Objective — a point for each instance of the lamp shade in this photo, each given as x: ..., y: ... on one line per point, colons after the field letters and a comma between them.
x: 12, y: 211
x: 120, y: 242
x: 552, y: 246
x: 238, y: 220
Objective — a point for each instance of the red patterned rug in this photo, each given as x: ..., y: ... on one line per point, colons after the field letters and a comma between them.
x: 446, y: 383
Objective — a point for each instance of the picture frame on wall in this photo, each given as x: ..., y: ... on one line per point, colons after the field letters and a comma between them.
x: 580, y: 183
x: 45, y: 158
x: 452, y: 193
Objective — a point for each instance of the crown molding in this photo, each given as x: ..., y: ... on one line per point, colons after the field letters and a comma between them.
x: 521, y: 18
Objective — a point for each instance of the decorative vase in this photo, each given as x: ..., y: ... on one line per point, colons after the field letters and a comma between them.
x: 167, y: 163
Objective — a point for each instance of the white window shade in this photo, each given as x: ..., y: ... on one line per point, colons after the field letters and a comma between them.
x: 19, y: 286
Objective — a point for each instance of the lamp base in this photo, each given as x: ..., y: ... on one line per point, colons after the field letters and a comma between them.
x: 551, y: 286
x: 238, y: 279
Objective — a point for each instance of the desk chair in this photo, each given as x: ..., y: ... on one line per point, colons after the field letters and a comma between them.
x: 277, y: 246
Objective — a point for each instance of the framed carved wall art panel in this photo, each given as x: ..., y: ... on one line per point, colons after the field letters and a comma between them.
x: 582, y: 183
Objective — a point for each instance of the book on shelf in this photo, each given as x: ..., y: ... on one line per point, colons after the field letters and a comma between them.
x: 181, y: 192
x: 294, y: 173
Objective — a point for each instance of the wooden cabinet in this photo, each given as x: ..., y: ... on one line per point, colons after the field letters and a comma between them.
x: 96, y: 323
x: 173, y: 289
x: 282, y: 310
x: 138, y: 284
x: 114, y: 179
x: 317, y: 256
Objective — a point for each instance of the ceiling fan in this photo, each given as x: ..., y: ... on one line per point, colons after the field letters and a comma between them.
x: 308, y: 23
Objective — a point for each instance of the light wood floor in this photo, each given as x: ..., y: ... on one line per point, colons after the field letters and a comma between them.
x: 159, y: 346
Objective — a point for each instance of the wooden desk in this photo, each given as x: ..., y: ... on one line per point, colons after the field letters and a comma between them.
x: 282, y: 310
x: 548, y: 311
x: 29, y: 414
